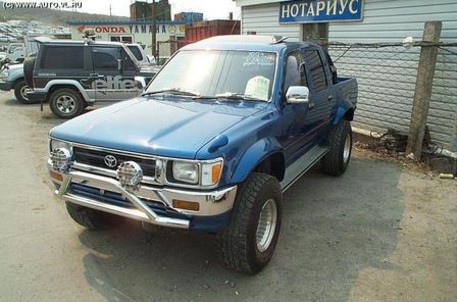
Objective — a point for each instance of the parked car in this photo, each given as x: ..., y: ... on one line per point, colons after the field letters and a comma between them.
x: 12, y: 78
x: 224, y: 128
x: 159, y: 61
x: 72, y: 75
x: 138, y: 51
x: 17, y: 52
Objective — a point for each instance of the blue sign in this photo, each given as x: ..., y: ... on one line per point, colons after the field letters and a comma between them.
x: 311, y: 11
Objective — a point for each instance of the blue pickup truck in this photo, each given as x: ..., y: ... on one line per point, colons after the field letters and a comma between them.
x: 224, y: 128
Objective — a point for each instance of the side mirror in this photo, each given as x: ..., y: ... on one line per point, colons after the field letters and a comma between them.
x: 297, y: 95
x: 120, y: 66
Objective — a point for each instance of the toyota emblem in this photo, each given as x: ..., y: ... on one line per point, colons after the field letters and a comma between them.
x: 110, y: 161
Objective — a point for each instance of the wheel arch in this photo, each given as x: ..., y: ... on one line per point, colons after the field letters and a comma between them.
x: 264, y: 156
x: 16, y: 81
x: 52, y: 86
x: 344, y: 111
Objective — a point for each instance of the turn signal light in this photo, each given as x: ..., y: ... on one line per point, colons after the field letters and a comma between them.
x: 216, y: 172
x: 55, y: 175
x: 186, y: 205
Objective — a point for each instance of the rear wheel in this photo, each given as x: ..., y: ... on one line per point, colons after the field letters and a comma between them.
x: 336, y: 161
x: 66, y: 103
x: 249, y: 242
x: 20, y: 92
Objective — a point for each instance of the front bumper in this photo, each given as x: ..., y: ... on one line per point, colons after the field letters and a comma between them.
x: 6, y: 85
x: 106, y: 194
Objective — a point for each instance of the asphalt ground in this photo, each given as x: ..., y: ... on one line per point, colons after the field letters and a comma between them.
x: 381, y: 232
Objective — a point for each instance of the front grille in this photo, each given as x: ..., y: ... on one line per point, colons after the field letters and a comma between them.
x: 96, y: 158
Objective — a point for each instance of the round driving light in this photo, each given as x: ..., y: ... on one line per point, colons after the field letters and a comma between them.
x: 60, y: 159
x: 129, y: 174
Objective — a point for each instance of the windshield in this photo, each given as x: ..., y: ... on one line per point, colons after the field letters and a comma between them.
x: 218, y: 73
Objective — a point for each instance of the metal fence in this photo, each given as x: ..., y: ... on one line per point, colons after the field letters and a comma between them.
x: 386, y: 74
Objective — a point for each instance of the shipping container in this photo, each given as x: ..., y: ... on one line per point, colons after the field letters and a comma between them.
x: 197, y: 31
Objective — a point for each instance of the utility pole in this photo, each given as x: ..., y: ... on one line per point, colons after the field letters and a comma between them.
x: 424, y: 85
x: 154, y: 31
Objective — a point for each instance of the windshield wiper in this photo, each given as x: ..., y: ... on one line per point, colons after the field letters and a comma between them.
x: 175, y: 91
x: 236, y: 96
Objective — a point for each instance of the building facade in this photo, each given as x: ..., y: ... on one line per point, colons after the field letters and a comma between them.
x: 369, y: 36
x: 143, y: 11
x: 167, y: 33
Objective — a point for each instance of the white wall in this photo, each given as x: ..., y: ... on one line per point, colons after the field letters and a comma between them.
x: 386, y: 76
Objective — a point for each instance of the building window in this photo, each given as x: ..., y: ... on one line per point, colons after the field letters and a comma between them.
x: 123, y: 39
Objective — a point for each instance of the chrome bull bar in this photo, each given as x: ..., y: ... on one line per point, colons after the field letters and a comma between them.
x: 212, y: 203
x: 141, y: 212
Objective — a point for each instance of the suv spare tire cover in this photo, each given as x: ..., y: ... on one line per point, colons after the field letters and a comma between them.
x: 29, y: 64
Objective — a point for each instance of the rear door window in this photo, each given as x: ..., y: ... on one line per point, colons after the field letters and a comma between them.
x: 62, y: 57
x: 316, y: 69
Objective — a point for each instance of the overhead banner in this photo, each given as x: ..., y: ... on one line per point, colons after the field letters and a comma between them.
x: 312, y: 11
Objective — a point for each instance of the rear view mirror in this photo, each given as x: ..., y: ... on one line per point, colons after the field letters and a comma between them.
x: 297, y: 94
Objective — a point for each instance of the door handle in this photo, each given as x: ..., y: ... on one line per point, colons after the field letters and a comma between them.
x: 96, y: 75
x: 330, y: 97
x: 310, y: 105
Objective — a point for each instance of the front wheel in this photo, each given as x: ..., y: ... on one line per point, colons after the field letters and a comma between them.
x: 249, y: 242
x: 66, y: 103
x: 20, y: 92
x: 336, y: 161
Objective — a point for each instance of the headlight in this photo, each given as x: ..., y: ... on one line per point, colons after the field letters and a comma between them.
x: 185, y: 172
x: 55, y: 144
x: 206, y: 174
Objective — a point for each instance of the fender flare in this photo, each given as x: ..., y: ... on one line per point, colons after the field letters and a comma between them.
x: 343, y: 107
x: 250, y: 159
x: 77, y: 85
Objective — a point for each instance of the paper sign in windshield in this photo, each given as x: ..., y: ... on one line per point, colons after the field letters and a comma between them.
x: 258, y: 87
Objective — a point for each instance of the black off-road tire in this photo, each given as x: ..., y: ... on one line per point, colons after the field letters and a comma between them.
x: 89, y: 218
x: 336, y: 161
x: 66, y: 103
x: 29, y: 65
x: 19, y: 89
x: 238, y: 244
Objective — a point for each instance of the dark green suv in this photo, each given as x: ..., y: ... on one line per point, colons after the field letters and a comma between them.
x: 72, y: 75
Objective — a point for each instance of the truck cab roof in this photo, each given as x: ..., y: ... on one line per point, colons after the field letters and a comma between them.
x: 78, y: 42
x: 249, y: 42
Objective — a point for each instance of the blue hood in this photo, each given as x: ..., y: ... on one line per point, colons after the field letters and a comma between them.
x: 156, y: 126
